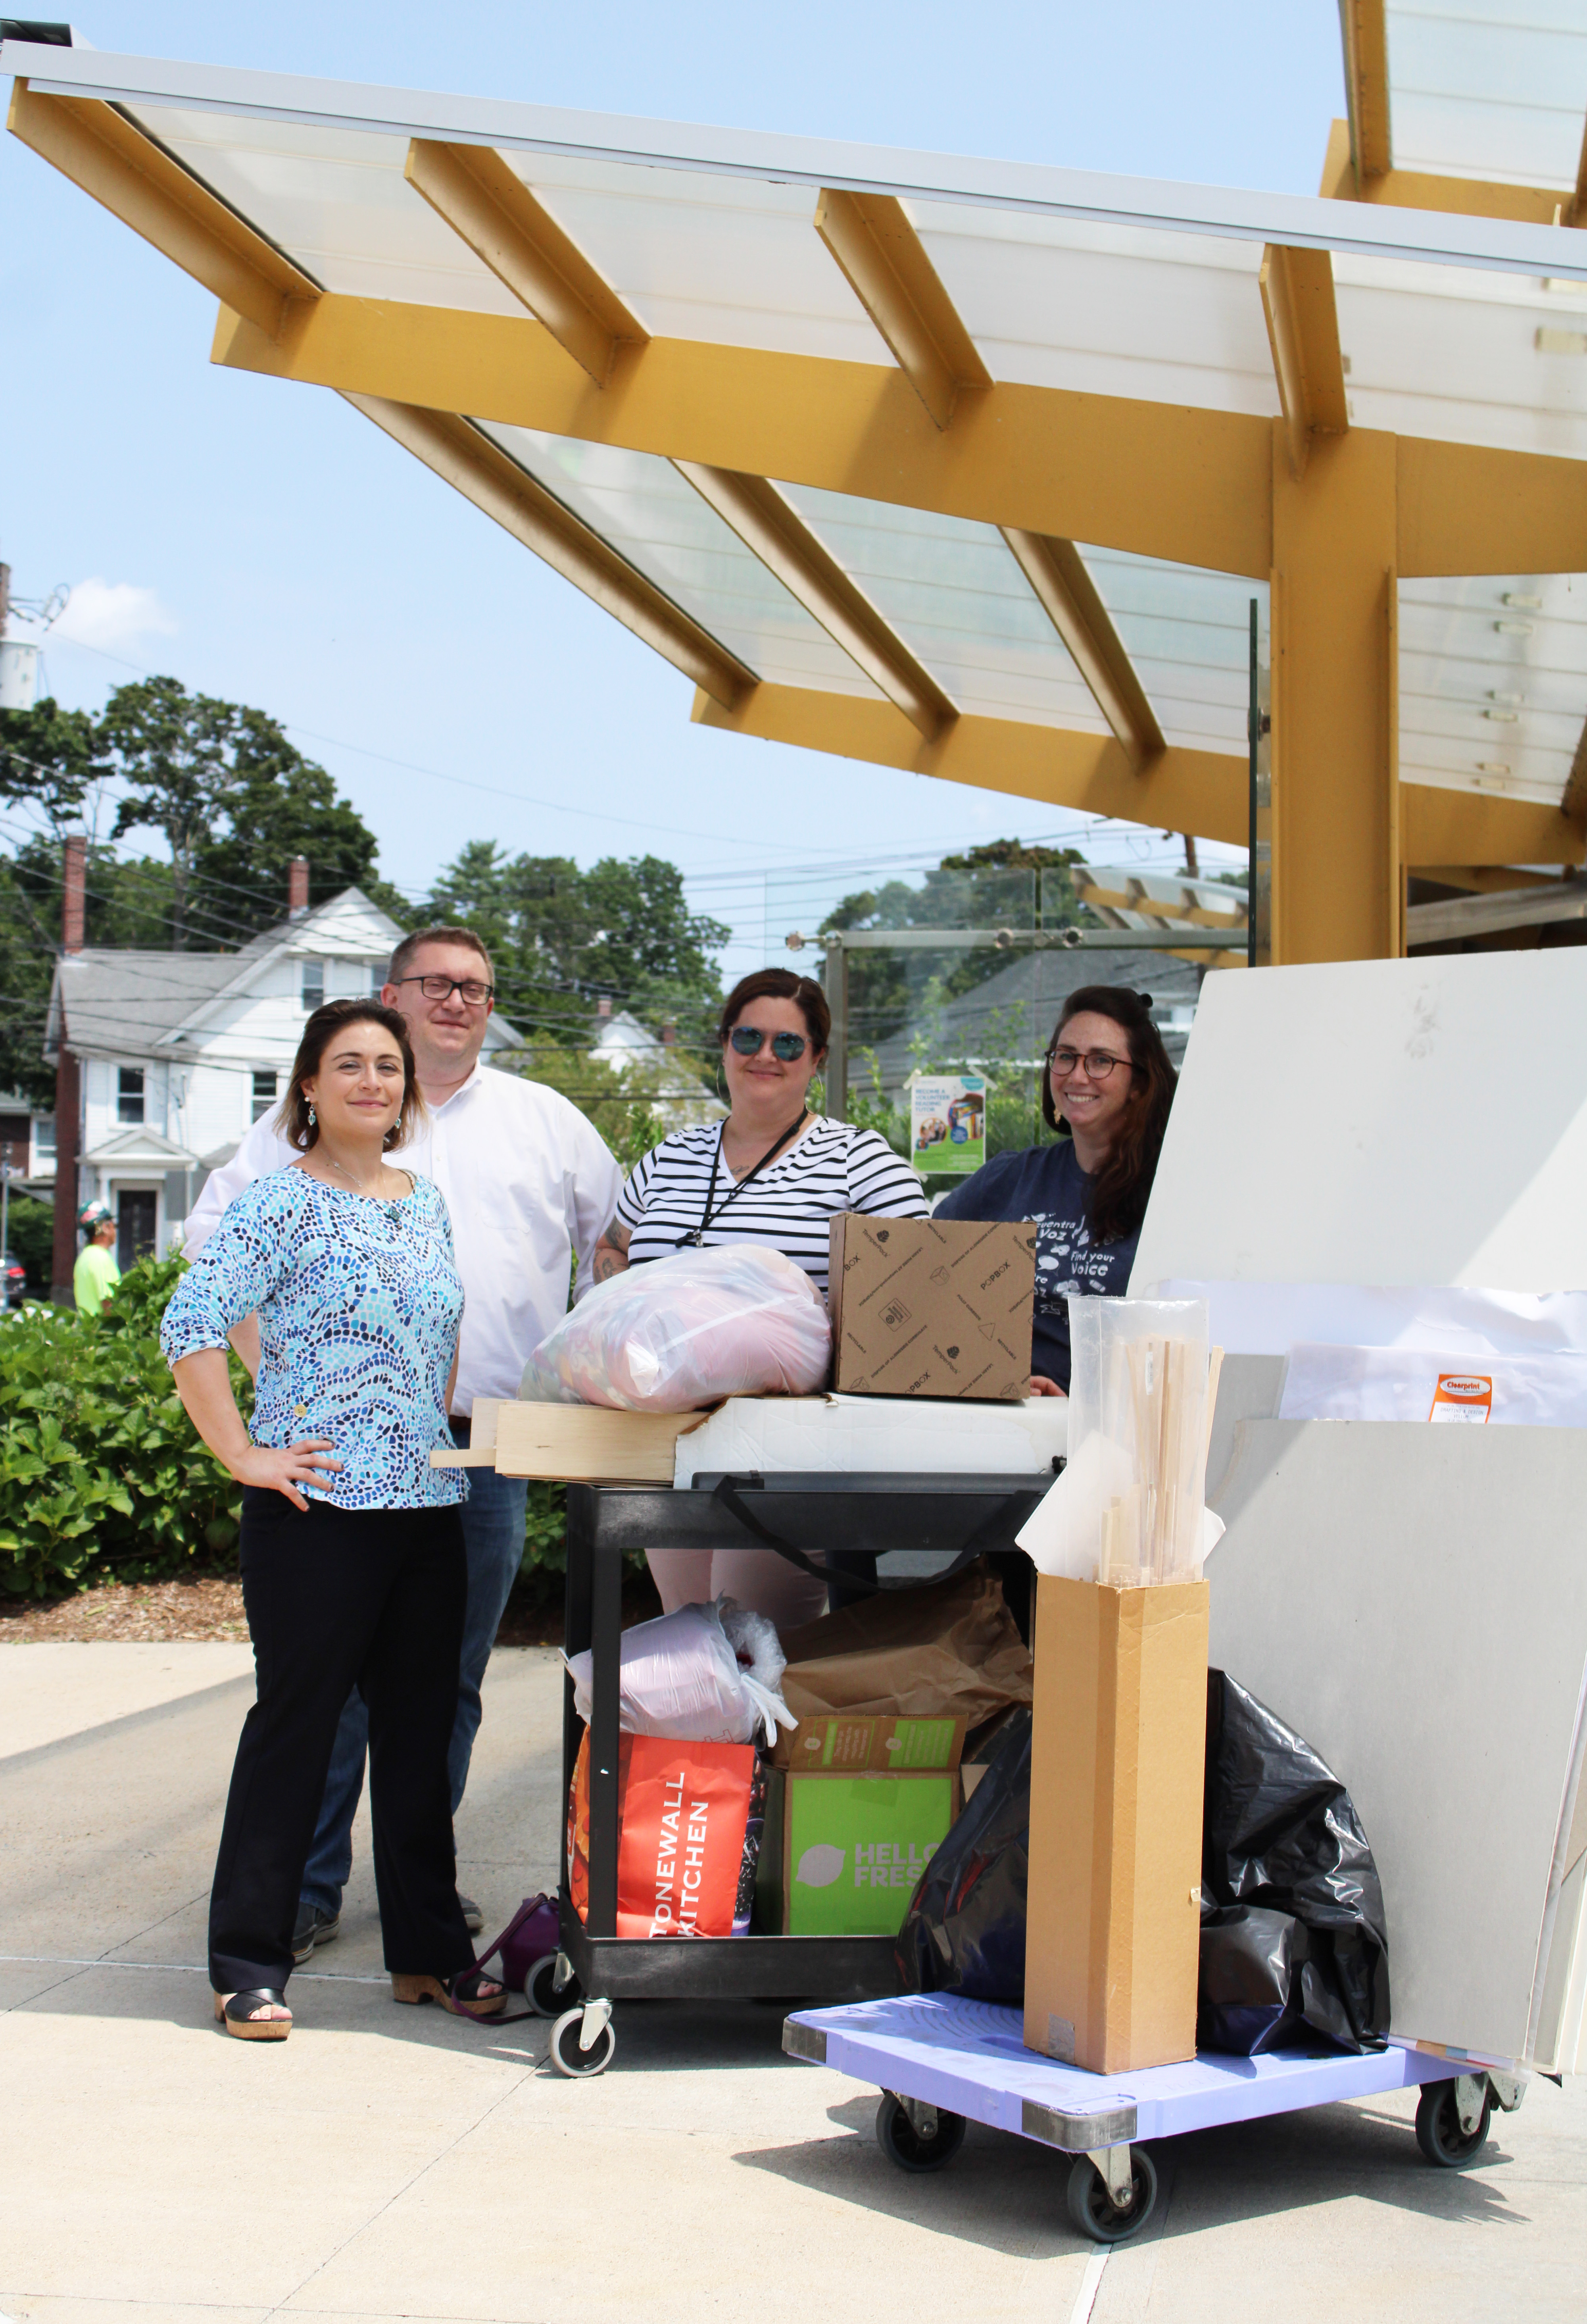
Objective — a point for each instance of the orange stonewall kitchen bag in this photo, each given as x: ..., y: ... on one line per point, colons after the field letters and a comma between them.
x: 683, y: 1809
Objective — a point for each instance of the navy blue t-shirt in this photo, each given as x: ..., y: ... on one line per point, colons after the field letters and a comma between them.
x: 1046, y: 1184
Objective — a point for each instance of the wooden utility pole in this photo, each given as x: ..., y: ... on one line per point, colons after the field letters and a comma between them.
x: 68, y: 1079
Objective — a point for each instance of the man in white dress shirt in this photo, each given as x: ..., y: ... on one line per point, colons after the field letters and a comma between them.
x: 530, y: 1184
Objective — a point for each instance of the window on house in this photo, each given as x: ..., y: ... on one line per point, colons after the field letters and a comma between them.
x: 45, y: 1136
x: 129, y: 1092
x: 264, y: 1093
x: 314, y: 984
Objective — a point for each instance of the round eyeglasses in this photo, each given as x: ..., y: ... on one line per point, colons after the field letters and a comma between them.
x: 1099, y: 1063
x: 749, y: 1041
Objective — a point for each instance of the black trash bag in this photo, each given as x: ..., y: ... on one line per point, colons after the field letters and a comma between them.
x: 965, y: 1929
x: 1294, y: 1939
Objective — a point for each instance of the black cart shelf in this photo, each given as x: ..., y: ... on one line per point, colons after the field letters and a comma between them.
x: 840, y: 1515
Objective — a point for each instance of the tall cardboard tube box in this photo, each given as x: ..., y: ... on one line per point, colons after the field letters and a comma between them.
x: 1118, y: 1744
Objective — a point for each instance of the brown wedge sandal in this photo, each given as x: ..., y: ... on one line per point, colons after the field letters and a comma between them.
x: 234, y: 2011
x: 469, y: 1994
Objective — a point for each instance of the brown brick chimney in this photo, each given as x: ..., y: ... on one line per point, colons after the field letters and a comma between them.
x: 68, y: 1081
x: 297, y: 886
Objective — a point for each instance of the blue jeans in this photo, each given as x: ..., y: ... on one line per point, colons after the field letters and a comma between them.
x: 493, y: 1537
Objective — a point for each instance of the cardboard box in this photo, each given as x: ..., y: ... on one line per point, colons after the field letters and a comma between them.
x: 923, y: 1307
x: 854, y: 1848
x: 844, y: 1743
x: 1113, y: 1931
x: 578, y: 1442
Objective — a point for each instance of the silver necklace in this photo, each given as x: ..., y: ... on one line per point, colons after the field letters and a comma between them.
x: 363, y: 1185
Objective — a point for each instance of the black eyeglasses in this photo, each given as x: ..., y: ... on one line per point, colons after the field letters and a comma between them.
x: 749, y: 1042
x: 473, y: 989
x: 1099, y: 1063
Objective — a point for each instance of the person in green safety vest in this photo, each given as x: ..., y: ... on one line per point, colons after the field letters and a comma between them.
x: 95, y: 1274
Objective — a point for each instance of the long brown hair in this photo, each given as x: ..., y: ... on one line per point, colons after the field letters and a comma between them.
x: 1119, y: 1196
x: 319, y: 1032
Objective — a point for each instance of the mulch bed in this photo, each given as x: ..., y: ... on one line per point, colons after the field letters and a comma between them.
x: 210, y: 1606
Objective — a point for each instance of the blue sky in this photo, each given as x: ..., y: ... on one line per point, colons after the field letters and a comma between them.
x: 263, y: 542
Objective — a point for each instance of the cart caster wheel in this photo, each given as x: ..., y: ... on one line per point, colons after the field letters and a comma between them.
x: 1444, y: 2138
x: 567, y: 2054
x: 909, y: 2146
x: 544, y: 1994
x: 1092, y: 2208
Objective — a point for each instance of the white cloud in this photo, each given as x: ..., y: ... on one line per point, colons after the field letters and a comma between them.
x: 113, y: 615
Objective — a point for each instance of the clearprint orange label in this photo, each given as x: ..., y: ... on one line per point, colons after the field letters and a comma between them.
x: 1462, y: 1395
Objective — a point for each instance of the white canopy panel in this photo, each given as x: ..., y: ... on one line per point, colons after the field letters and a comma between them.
x: 1488, y: 89
x: 1493, y: 682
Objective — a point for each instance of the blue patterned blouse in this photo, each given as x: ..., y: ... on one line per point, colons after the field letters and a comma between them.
x: 359, y: 1304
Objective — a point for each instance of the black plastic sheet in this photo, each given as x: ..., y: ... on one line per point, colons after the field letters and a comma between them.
x: 965, y: 1929
x: 1294, y: 1939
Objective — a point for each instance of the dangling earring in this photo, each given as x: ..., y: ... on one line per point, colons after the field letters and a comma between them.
x: 311, y: 1117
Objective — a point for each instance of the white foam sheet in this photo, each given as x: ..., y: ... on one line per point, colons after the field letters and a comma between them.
x: 1269, y: 1319
x: 910, y: 1435
x: 1413, y: 1600
x: 1327, y: 1128
x: 1323, y: 1383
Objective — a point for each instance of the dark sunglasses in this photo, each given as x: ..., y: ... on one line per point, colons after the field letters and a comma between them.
x: 749, y: 1042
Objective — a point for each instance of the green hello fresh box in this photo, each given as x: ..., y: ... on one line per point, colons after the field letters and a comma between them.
x: 854, y: 1845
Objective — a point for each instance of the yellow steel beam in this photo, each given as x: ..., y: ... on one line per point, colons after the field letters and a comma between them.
x: 1161, y: 480
x: 1419, y: 189
x: 885, y: 265
x: 1481, y: 878
x: 768, y: 525
x: 148, y: 190
x: 1205, y: 790
x: 1069, y: 597
x: 1471, y: 828
x: 1573, y: 802
x: 1466, y: 509
x: 483, y: 473
x: 488, y: 206
x: 1366, y: 85
x: 1336, y: 805
x: 1303, y: 332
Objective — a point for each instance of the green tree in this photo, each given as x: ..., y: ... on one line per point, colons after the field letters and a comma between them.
x: 50, y: 758
x: 235, y: 802
x: 563, y: 937
x: 1003, y: 883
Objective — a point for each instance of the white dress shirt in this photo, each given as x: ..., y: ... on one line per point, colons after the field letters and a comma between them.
x: 530, y: 1182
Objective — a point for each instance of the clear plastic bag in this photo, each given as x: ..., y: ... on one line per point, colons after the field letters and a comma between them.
x: 1130, y: 1507
x: 699, y: 1675
x: 684, y: 1331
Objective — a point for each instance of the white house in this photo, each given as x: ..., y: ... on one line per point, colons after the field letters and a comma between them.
x: 181, y: 1051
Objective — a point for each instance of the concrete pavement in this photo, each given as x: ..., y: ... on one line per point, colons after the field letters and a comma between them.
x: 389, y: 2164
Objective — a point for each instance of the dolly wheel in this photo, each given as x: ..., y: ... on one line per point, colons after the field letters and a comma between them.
x: 544, y: 1994
x: 1092, y: 2208
x: 568, y: 2054
x: 928, y: 2143
x: 1452, y: 2121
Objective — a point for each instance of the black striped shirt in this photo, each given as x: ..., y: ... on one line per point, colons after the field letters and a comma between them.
x: 789, y: 1207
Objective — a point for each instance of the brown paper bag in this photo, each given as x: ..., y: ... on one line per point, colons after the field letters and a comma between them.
x: 950, y: 1650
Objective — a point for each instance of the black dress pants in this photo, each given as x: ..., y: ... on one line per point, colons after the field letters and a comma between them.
x: 338, y: 1598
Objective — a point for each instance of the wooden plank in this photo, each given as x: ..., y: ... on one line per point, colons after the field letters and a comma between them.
x: 585, y: 1444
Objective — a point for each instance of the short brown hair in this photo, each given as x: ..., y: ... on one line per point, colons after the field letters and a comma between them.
x: 780, y: 985
x: 402, y: 958
x: 1118, y: 1197
x: 318, y: 1036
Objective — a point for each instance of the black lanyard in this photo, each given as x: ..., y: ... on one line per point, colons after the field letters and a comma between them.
x: 697, y: 1234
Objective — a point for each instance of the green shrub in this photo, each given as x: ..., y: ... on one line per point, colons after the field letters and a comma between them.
x: 101, y: 1471
x: 31, y: 1232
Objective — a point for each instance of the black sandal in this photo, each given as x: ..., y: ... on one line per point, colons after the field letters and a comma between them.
x: 463, y: 1994
x: 234, y: 2011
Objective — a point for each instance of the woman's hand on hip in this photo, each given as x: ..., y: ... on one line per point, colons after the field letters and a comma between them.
x: 282, y: 1468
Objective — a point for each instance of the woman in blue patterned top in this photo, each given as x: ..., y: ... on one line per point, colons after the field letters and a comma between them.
x: 352, y: 1551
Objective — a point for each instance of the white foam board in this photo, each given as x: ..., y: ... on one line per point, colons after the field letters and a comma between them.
x: 1413, y: 1601
x: 913, y: 1436
x: 1327, y: 1128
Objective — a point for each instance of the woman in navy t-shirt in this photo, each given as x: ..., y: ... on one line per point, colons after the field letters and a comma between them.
x: 1109, y: 1078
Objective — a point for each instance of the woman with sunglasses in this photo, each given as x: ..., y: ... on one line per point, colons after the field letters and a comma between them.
x: 775, y: 1173
x: 1109, y: 1080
